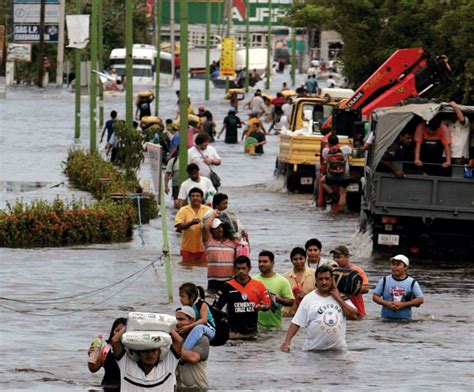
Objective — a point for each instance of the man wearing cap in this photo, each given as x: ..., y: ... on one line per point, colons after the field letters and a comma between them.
x: 154, y: 370
x: 230, y: 126
x: 341, y: 256
x: 220, y: 252
x: 192, y: 369
x: 188, y: 221
x: 398, y: 292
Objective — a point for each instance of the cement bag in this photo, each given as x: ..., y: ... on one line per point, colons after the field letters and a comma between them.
x: 138, y: 321
x: 146, y: 340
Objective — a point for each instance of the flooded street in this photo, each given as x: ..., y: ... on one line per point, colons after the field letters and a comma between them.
x: 54, y: 301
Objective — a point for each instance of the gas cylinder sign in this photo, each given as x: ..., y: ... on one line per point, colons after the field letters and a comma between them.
x: 31, y: 32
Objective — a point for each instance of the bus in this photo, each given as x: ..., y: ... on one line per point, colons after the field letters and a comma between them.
x: 144, y: 64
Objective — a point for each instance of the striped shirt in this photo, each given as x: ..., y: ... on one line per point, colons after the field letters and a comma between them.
x: 220, y: 259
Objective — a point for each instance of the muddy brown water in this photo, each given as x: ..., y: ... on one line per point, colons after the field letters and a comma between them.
x: 44, y: 340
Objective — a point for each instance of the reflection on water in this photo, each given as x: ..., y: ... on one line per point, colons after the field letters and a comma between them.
x: 49, y: 353
x: 21, y: 186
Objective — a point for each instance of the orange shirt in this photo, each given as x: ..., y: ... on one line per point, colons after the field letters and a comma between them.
x: 358, y: 300
x: 442, y: 133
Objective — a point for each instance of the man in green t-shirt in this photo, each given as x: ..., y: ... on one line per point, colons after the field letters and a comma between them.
x: 278, y: 287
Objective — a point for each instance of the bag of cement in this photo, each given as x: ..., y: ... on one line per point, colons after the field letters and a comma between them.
x: 139, y: 321
x: 146, y: 340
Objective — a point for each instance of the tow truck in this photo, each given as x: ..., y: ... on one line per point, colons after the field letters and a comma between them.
x: 408, y: 73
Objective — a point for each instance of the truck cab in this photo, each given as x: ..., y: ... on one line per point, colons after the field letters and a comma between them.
x: 300, y: 145
x: 426, y: 216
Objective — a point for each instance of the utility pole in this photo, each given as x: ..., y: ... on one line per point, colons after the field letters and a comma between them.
x: 229, y: 24
x: 158, y: 17
x: 40, y: 75
x: 269, y: 45
x: 247, y: 45
x: 172, y: 43
x: 60, y: 57
x: 93, y: 83
x: 77, y: 83
x: 208, y: 49
x: 100, y: 46
x: 293, y: 56
x: 183, y: 90
x: 129, y: 63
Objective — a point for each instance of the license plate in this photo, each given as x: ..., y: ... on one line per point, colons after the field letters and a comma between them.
x: 353, y: 188
x: 306, y: 180
x: 388, y: 239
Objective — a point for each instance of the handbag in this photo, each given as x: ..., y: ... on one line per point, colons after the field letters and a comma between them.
x: 213, y: 176
x: 215, y: 179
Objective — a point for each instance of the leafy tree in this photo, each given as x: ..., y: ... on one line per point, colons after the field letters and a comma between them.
x: 373, y: 29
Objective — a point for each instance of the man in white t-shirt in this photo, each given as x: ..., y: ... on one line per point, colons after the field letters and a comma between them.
x: 153, y: 371
x: 195, y: 181
x: 460, y: 129
x: 203, y: 155
x: 323, y: 312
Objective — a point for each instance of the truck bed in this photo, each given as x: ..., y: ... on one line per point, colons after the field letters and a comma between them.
x: 425, y: 196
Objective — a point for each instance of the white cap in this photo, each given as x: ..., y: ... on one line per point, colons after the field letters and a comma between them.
x: 187, y: 310
x: 401, y: 258
x: 216, y: 223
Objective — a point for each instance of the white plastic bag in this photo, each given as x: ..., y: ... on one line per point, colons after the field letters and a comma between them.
x: 138, y: 321
x: 146, y: 340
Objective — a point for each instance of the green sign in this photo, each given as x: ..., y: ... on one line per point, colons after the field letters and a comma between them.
x: 258, y: 14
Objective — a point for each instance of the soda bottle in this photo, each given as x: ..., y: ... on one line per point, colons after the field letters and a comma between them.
x: 95, y: 349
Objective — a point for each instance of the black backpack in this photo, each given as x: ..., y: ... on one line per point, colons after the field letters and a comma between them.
x: 221, y: 324
x: 347, y: 281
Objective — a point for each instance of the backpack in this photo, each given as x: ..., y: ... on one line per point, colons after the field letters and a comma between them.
x: 348, y: 281
x: 407, y: 297
x: 336, y: 162
x: 221, y: 322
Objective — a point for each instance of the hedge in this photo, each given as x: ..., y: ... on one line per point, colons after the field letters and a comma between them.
x: 59, y: 223
x: 92, y: 173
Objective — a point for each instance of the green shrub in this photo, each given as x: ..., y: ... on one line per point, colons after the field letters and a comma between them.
x: 61, y: 223
x: 92, y: 173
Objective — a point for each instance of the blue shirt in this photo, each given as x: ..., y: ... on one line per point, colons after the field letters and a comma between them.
x: 397, y: 288
x: 109, y: 125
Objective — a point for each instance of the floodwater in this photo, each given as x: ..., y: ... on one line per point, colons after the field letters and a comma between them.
x: 70, y: 294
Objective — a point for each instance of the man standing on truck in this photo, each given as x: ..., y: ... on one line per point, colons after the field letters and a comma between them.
x: 337, y: 172
x: 432, y: 138
x: 460, y: 129
x: 398, y: 292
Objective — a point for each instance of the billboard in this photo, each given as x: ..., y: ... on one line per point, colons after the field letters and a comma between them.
x: 26, y: 20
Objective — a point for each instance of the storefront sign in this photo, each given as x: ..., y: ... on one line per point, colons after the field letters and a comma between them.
x: 31, y: 32
x: 19, y: 52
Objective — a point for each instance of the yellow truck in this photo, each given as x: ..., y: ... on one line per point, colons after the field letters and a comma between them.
x: 300, y: 147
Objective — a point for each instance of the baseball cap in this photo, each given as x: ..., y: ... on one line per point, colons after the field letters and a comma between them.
x: 401, y: 258
x: 187, y: 310
x: 216, y: 223
x: 340, y: 250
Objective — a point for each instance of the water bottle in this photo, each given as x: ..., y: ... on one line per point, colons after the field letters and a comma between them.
x: 95, y: 345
